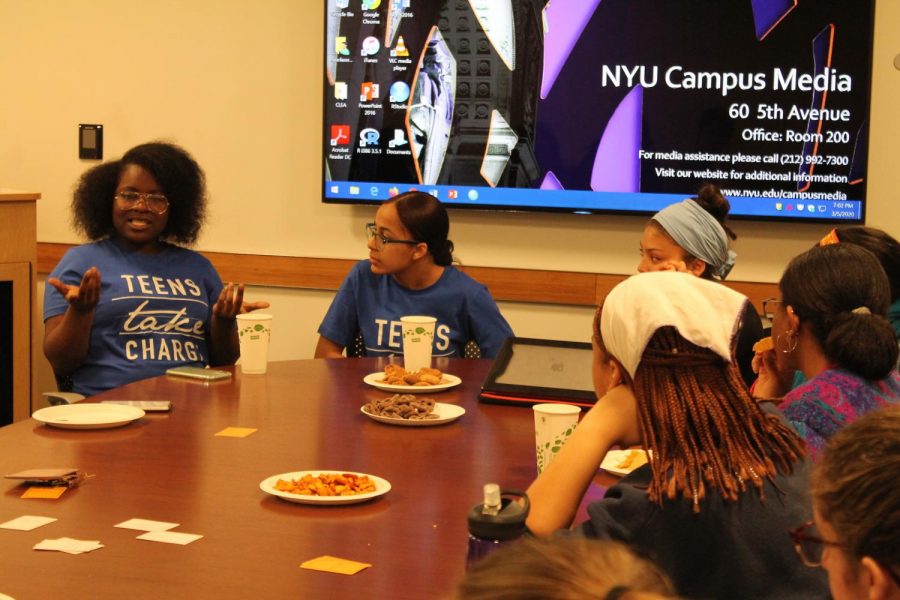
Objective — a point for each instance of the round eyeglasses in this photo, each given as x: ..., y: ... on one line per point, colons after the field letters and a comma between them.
x: 155, y: 203
x: 809, y: 545
x: 381, y: 241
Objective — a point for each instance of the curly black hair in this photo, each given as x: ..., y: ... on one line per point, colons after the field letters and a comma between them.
x: 178, y: 175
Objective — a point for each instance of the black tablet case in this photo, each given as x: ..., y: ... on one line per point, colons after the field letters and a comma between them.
x: 529, y: 371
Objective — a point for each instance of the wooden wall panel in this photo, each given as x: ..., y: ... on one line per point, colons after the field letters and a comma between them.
x: 508, y: 285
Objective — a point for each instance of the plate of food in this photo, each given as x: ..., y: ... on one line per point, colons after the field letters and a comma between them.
x: 87, y: 416
x: 623, y: 462
x: 395, y: 378
x: 411, y: 411
x: 329, y: 487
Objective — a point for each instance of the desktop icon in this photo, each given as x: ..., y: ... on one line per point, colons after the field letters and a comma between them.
x: 800, y: 207
x: 433, y: 192
x: 399, y: 92
x: 340, y: 46
x: 810, y: 208
x: 368, y: 137
x: 335, y: 189
x: 340, y: 135
x: 368, y: 91
x: 393, y: 191
x: 790, y: 207
x: 370, y: 46
x: 399, y: 139
x: 452, y: 194
x: 340, y: 90
x: 822, y: 208
x: 370, y: 4
x: 400, y: 49
x: 779, y: 206
x: 354, y: 190
x: 373, y: 191
x: 473, y: 195
x: 342, y: 3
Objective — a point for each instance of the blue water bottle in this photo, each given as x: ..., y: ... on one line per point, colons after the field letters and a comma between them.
x: 499, y: 519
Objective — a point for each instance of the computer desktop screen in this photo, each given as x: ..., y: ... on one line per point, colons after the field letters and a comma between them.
x: 600, y: 106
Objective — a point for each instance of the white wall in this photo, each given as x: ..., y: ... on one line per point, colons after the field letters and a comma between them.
x: 238, y: 83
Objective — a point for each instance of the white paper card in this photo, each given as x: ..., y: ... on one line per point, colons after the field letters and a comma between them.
x: 146, y: 525
x: 69, y: 545
x: 170, y: 537
x: 26, y: 523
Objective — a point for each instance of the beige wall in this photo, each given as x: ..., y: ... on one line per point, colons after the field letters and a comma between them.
x: 238, y: 83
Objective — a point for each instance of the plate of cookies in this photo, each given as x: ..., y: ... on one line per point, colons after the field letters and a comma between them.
x: 395, y: 378
x: 411, y: 411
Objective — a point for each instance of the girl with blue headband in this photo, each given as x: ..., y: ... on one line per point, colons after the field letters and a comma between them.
x: 692, y: 237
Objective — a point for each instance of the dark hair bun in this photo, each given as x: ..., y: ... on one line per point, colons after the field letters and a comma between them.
x: 862, y: 343
x: 711, y: 199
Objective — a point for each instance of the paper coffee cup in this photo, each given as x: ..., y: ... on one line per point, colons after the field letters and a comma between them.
x: 418, y: 338
x: 254, y: 330
x: 553, y: 424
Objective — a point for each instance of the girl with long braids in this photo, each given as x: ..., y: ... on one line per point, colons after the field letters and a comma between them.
x: 410, y: 272
x: 726, y: 477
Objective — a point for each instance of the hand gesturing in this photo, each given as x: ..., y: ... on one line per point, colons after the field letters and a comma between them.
x: 83, y: 297
x: 231, y: 302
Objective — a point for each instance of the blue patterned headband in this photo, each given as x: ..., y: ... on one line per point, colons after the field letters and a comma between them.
x: 699, y: 233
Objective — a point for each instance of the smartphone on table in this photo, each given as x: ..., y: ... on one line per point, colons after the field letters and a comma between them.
x: 201, y: 373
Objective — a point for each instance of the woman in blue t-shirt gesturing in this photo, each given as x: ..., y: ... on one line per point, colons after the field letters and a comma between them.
x: 131, y: 304
x: 409, y: 273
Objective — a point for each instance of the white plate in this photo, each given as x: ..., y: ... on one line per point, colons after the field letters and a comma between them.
x: 445, y: 413
x: 447, y: 382
x: 615, y: 457
x: 87, y: 416
x: 382, y: 486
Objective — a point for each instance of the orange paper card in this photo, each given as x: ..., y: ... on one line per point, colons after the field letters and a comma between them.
x: 45, y: 492
x: 333, y: 564
x: 236, y: 431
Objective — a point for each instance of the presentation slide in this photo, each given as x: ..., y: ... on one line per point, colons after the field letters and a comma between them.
x: 600, y: 106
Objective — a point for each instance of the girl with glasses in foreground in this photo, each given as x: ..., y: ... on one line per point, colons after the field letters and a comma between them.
x: 135, y: 302
x: 726, y: 477
x: 856, y: 503
x: 409, y: 272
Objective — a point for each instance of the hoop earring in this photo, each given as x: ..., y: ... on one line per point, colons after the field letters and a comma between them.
x: 791, y: 336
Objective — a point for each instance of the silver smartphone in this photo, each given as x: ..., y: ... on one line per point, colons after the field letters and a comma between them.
x: 198, y: 373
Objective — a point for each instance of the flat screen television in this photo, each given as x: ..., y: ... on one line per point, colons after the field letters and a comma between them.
x: 600, y: 106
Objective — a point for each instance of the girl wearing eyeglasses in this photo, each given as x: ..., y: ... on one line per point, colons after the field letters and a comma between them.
x: 135, y: 302
x: 856, y: 503
x: 692, y: 237
x: 409, y: 272
x: 831, y: 324
x: 726, y: 478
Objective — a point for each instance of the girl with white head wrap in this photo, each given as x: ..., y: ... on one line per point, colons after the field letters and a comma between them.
x: 725, y: 477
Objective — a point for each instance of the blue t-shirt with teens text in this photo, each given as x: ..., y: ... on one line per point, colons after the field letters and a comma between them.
x: 154, y: 311
x: 373, y: 304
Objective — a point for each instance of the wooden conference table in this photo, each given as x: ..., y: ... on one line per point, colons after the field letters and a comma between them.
x: 171, y: 467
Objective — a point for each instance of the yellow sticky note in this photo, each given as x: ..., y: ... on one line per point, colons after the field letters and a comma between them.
x: 237, y: 431
x: 333, y: 564
x: 45, y: 492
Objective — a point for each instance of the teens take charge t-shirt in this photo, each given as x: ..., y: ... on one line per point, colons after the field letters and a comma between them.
x: 153, y: 313
x: 373, y: 304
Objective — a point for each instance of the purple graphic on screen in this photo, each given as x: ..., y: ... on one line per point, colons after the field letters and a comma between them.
x: 860, y: 155
x: 550, y: 182
x: 768, y: 13
x: 565, y: 19
x: 821, y: 55
x: 617, y: 167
